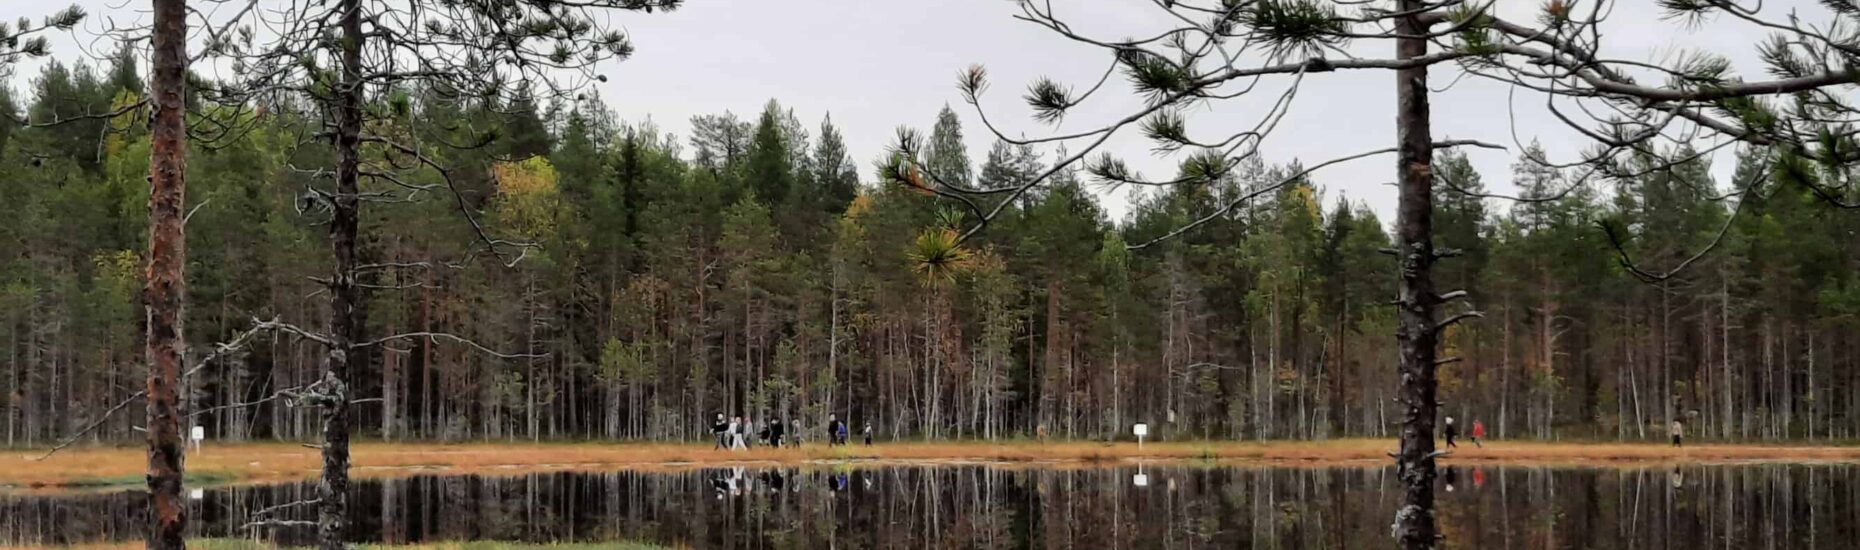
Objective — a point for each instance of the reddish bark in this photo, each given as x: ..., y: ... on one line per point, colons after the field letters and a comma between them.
x: 165, y: 282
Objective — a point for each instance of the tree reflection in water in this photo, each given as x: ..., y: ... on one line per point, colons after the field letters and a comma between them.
x: 906, y: 508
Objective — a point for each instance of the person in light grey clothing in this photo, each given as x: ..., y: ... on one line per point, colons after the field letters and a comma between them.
x: 736, y: 434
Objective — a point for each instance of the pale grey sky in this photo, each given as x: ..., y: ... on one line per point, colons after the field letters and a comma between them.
x: 878, y: 64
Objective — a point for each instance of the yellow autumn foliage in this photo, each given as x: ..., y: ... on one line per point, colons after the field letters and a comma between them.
x: 528, y: 198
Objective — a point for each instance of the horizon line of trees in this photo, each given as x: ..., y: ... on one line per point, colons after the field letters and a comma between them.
x: 748, y: 269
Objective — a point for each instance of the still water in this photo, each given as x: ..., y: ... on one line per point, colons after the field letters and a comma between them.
x: 1795, y: 506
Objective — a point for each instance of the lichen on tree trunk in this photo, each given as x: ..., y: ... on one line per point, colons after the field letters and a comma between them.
x: 345, y: 295
x: 1416, y: 332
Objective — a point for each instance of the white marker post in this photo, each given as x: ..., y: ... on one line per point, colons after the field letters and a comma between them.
x: 1141, y: 430
x: 198, y: 435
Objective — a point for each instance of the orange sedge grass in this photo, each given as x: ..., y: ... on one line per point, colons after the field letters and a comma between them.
x: 280, y: 462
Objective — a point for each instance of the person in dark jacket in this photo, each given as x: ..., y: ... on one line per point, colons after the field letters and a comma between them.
x: 1452, y: 431
x: 720, y: 429
x: 836, y: 430
x: 776, y: 430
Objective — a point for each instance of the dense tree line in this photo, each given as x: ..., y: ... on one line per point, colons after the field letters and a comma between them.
x: 746, y: 268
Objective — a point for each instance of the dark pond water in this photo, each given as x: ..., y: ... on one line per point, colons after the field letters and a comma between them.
x: 1801, y: 506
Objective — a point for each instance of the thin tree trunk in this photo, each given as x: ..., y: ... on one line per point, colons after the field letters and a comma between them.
x: 165, y: 290
x: 1415, y: 527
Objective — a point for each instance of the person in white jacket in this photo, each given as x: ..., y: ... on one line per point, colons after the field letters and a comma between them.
x: 736, y: 433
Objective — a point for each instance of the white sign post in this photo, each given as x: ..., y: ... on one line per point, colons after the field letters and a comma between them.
x: 197, y: 435
x: 1141, y: 430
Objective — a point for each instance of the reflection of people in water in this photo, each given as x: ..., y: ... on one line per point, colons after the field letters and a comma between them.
x: 836, y: 482
x: 1478, y: 478
x: 1453, y: 478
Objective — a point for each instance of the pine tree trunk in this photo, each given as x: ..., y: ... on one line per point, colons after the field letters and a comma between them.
x: 1724, y: 343
x: 345, y: 295
x: 1415, y: 527
x: 165, y: 289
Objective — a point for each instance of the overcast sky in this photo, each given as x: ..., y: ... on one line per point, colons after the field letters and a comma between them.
x: 878, y: 64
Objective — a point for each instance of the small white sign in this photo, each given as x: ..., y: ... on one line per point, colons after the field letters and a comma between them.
x: 1141, y: 430
x: 1140, y: 480
x: 199, y: 434
x: 197, y: 494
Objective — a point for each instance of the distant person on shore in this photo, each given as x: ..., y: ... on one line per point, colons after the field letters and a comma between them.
x: 835, y: 430
x: 868, y: 434
x: 794, y: 432
x: 775, y: 433
x: 735, y: 433
x: 1678, y: 431
x: 1452, y: 432
x: 720, y: 431
x: 1478, y: 433
x: 749, y: 433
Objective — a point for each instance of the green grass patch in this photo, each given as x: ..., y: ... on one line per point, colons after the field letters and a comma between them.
x: 201, y: 477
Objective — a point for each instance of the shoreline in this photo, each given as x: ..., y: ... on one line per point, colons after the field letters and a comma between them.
x: 82, y: 468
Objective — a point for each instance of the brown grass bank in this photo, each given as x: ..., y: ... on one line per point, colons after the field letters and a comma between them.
x: 276, y: 462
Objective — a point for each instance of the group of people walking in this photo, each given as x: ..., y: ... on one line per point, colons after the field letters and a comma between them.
x: 736, y: 433
x: 1677, y: 430
x: 1452, y: 431
x: 1479, y: 432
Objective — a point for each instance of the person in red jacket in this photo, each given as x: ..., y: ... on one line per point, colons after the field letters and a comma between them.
x: 1478, y: 433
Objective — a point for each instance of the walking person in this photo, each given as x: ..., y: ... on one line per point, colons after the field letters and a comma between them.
x: 749, y: 433
x: 1678, y: 431
x: 736, y: 433
x: 868, y: 434
x: 834, y: 430
x: 794, y: 432
x: 1478, y: 433
x: 775, y: 435
x: 719, y: 430
x: 1452, y: 431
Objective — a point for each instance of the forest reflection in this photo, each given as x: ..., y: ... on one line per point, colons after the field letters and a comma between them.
x: 1810, y: 506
